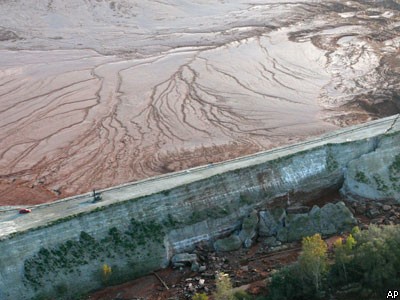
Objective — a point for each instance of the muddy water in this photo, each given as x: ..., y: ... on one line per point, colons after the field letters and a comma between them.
x: 97, y: 93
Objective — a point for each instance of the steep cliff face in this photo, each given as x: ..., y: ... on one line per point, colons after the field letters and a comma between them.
x: 376, y: 175
x: 139, y: 235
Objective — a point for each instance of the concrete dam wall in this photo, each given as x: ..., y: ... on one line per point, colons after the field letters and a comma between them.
x: 137, y: 228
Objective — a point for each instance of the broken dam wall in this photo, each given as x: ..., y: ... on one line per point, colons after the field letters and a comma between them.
x: 60, y: 248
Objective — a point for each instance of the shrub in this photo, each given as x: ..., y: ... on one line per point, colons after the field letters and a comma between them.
x: 106, y: 273
x: 224, y: 287
x: 242, y: 295
x: 356, y: 230
x: 201, y: 296
x: 289, y: 284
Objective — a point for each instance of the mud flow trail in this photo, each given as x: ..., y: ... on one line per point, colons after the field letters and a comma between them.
x: 96, y: 93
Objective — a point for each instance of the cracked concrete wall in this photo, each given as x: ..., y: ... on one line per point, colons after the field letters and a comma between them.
x: 140, y: 235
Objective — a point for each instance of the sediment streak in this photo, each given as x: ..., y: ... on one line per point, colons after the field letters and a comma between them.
x: 134, y: 94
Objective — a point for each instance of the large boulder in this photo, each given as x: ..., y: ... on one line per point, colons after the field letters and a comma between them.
x: 230, y: 243
x: 329, y: 219
x: 336, y: 218
x: 270, y: 222
x: 296, y: 227
x: 249, y: 229
x: 375, y: 175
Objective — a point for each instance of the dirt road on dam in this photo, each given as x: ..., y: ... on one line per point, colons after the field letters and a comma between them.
x: 98, y: 93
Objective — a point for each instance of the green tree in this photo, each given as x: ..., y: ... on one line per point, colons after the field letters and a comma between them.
x: 303, y: 279
x: 377, y: 258
x: 342, y: 258
x: 369, y: 260
x: 224, y: 287
x: 287, y: 284
x: 314, y: 260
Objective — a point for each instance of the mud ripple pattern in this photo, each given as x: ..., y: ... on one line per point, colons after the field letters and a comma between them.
x: 98, y: 93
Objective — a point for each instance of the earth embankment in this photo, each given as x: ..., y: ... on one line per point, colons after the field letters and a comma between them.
x: 138, y: 227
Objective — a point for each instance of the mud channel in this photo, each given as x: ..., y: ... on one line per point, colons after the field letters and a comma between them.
x: 98, y: 93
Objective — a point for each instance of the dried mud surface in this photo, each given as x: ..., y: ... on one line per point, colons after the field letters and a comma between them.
x: 97, y: 93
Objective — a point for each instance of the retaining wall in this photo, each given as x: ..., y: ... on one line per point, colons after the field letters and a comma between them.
x: 60, y: 248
